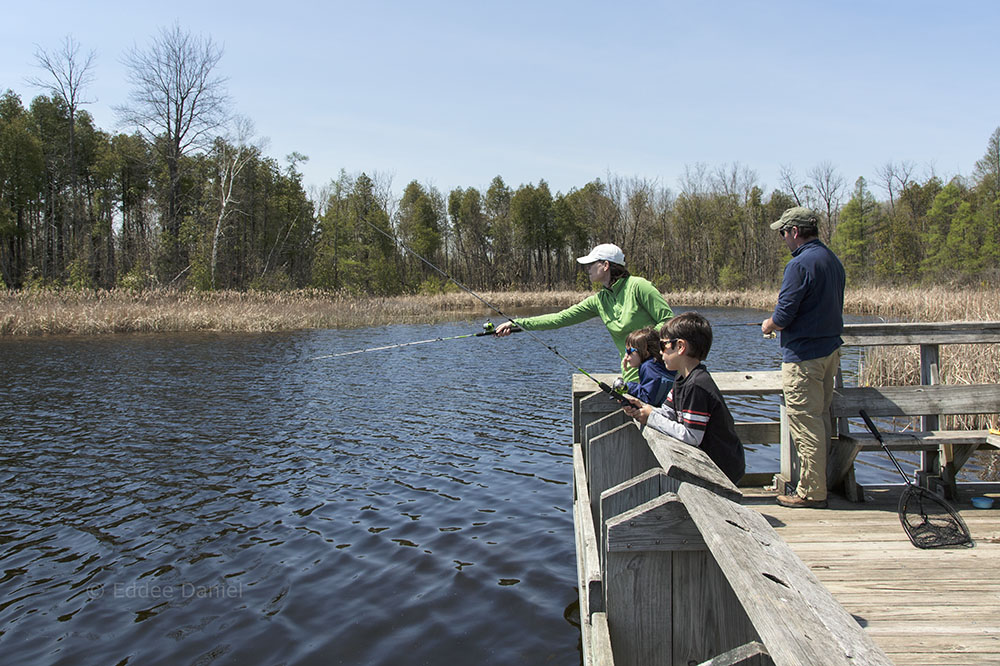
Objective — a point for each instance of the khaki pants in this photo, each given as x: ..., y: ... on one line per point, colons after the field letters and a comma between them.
x: 808, y: 389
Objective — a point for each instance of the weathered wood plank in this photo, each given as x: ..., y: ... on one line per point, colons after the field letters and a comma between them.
x: 713, y: 620
x: 615, y: 457
x: 600, y: 426
x: 589, y: 408
x: 750, y: 382
x: 661, y: 523
x: 600, y: 641
x: 685, y: 463
x: 916, y: 400
x: 840, y: 461
x: 784, y: 600
x: 910, y: 333
x: 920, y: 606
x: 914, y: 440
x: 737, y: 656
x: 926, y: 401
x: 638, y: 597
x: 629, y: 494
x: 758, y: 432
x: 588, y: 557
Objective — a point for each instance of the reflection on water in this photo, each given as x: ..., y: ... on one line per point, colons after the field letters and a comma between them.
x: 196, y: 498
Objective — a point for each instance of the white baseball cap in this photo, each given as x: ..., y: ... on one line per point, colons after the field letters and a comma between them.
x: 604, y: 252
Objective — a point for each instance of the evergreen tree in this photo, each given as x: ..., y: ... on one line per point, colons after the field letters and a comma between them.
x: 22, y: 171
x: 937, y: 262
x: 851, y: 240
x: 987, y: 175
x: 419, y: 225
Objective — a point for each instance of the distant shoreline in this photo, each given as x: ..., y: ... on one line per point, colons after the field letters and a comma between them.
x: 69, y: 312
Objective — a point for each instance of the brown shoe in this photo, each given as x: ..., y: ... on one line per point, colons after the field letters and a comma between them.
x: 796, y: 502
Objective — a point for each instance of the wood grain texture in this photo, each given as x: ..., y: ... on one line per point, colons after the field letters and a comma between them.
x: 921, y: 607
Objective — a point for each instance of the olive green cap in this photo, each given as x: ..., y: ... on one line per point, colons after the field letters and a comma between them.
x: 799, y: 216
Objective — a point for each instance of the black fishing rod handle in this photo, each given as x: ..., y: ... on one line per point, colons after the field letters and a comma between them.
x: 625, y: 402
x: 870, y: 424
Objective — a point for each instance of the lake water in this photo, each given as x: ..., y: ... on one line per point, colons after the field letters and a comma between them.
x: 201, y: 498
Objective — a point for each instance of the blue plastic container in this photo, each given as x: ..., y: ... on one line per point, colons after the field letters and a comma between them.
x: 982, y: 502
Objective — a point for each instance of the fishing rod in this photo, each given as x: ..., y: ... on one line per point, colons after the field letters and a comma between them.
x: 603, y: 385
x: 767, y: 336
x: 488, y: 329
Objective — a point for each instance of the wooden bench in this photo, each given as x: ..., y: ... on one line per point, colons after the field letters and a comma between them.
x: 956, y: 446
x: 939, y: 461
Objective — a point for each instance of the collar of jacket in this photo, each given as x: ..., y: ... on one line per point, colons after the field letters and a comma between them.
x: 617, y: 286
x: 799, y: 249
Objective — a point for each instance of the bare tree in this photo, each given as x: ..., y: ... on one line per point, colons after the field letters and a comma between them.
x: 384, y: 196
x: 69, y: 74
x: 830, y: 187
x: 790, y: 183
x: 231, y: 155
x: 894, y: 178
x: 177, y: 102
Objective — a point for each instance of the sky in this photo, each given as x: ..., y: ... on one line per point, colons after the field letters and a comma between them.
x: 452, y: 94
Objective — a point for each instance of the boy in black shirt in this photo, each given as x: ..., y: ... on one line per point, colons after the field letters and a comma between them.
x: 694, y: 411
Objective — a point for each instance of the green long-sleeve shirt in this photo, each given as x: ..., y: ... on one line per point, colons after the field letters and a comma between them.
x: 629, y: 304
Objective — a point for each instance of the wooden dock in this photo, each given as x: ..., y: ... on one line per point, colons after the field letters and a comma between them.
x: 677, y: 566
x: 922, y: 607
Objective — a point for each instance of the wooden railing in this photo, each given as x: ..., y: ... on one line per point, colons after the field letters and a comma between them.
x: 943, y: 452
x: 673, y: 570
x: 751, y: 383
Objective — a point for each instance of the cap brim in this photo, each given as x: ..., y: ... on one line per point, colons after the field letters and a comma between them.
x: 777, y: 225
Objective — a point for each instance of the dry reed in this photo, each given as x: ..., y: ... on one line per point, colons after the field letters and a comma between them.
x: 59, y: 312
x: 46, y: 312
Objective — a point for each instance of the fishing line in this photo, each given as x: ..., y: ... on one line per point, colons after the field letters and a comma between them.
x: 488, y: 329
x: 604, y: 386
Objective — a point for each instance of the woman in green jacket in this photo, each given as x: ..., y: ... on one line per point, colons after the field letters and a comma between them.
x: 625, y: 303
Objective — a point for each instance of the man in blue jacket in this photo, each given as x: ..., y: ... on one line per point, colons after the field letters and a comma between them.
x: 810, y: 316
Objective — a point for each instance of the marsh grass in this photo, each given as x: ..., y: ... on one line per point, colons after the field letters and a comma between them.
x: 68, y: 312
x: 60, y: 312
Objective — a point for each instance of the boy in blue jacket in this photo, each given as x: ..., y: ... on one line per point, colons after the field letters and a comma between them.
x: 642, y: 351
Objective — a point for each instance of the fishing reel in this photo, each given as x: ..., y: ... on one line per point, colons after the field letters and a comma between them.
x: 489, y: 328
x: 618, y: 386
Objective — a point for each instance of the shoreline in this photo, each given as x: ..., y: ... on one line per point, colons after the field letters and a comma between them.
x: 34, y: 314
x: 68, y: 312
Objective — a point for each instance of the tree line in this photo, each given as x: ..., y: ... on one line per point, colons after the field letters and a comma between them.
x: 188, y: 198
